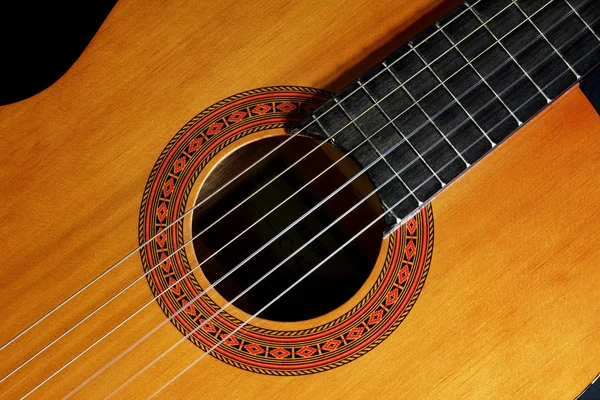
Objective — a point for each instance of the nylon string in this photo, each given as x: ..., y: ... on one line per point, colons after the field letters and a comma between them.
x: 289, y: 288
x: 264, y: 216
x: 345, y: 184
x: 275, y: 299
x: 290, y: 137
x: 128, y: 286
x: 301, y: 217
x: 298, y: 281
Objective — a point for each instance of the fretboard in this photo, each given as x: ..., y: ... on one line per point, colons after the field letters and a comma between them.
x: 437, y: 105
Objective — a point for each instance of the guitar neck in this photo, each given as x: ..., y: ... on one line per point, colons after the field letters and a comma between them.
x: 437, y: 105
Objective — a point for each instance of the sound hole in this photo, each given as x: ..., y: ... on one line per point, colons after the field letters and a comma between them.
x: 339, y: 273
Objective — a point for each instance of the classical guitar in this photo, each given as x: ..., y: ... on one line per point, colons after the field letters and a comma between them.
x: 236, y: 200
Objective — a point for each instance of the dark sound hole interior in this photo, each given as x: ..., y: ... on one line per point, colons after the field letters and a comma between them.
x: 291, y: 255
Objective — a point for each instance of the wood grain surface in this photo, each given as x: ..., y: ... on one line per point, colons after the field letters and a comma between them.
x: 511, y: 307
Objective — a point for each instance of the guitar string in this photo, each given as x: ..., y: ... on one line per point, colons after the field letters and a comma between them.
x: 289, y: 138
x: 144, y: 307
x: 304, y: 276
x: 131, y: 284
x: 241, y: 294
x: 232, y: 240
x: 204, y: 354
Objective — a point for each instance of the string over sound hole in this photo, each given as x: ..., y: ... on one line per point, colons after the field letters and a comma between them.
x: 293, y: 229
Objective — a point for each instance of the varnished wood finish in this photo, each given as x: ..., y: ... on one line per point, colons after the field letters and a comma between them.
x: 511, y: 305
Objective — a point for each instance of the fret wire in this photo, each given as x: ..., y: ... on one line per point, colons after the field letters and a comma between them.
x: 431, y: 147
x: 509, y: 54
x: 363, y: 142
x: 204, y: 354
x: 548, y: 41
x: 489, y: 102
x: 322, y: 127
x: 468, y: 91
x: 519, y: 122
x: 386, y: 67
x: 401, y: 200
x: 366, y: 140
x: 454, y: 97
x: 582, y: 20
x: 401, y: 134
x: 431, y: 121
x: 382, y: 157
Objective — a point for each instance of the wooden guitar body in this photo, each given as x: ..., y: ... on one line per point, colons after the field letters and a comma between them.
x: 489, y: 292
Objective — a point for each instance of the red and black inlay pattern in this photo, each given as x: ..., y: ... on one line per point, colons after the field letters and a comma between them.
x: 253, y: 348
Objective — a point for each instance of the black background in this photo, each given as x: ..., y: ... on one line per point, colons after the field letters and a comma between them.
x: 39, y: 41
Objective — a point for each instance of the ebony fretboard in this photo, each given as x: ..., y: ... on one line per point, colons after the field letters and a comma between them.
x: 442, y: 101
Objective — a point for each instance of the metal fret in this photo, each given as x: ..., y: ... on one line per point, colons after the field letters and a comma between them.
x: 531, y: 7
x: 433, y: 123
x: 548, y: 41
x: 456, y: 100
x: 368, y: 140
x: 320, y: 126
x: 519, y: 123
x: 509, y: 54
x: 560, y: 23
x: 403, y: 137
x: 582, y: 20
